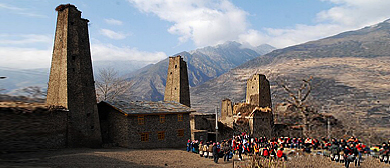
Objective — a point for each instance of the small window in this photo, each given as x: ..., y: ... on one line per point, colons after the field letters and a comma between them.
x: 175, y: 66
x: 141, y: 120
x: 170, y: 73
x: 161, y: 135
x: 180, y: 132
x: 180, y: 117
x: 162, y: 118
x: 145, y: 137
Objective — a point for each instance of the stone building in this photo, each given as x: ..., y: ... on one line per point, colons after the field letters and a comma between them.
x: 258, y: 91
x: 145, y: 124
x: 203, y: 126
x: 227, y: 112
x: 255, y: 115
x: 177, y: 87
x: 71, y: 83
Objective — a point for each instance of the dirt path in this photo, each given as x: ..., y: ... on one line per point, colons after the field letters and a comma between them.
x: 115, y: 157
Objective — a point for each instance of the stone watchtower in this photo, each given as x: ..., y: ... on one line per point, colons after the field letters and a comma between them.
x: 226, y: 109
x: 177, y: 88
x: 71, y: 83
x: 258, y: 91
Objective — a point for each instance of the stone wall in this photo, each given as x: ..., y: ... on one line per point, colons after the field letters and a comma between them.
x: 203, y: 122
x: 153, y: 126
x: 71, y: 83
x: 31, y: 130
x: 124, y: 130
x: 176, y: 87
x: 258, y: 91
x: 263, y: 124
x: 226, y: 109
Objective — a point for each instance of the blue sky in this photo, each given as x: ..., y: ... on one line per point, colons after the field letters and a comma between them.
x: 147, y: 31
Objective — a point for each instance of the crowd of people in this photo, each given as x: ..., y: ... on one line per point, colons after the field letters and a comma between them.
x: 211, y: 149
x: 344, y: 150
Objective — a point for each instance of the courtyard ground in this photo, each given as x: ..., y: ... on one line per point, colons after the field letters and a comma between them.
x: 112, y: 157
x: 309, y: 161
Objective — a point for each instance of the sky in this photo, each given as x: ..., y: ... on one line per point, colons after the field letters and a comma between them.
x: 147, y: 31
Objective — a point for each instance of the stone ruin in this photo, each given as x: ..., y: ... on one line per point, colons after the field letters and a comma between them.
x: 255, y: 115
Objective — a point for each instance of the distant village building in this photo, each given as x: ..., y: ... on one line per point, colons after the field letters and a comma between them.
x: 71, y: 83
x: 258, y: 91
x: 145, y: 124
x: 227, y: 112
x: 255, y: 115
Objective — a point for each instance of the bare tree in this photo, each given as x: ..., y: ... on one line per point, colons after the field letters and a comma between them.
x: 298, y: 99
x: 110, y: 86
x: 36, y: 92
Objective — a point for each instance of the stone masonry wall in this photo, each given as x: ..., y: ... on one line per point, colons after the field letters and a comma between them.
x: 226, y: 109
x: 258, y: 91
x: 203, y: 122
x: 152, y: 126
x: 25, y: 131
x: 176, y: 87
x: 263, y: 124
x: 71, y: 83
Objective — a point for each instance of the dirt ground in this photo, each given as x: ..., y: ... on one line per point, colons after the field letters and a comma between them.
x: 122, y: 157
x: 112, y: 157
x: 310, y: 161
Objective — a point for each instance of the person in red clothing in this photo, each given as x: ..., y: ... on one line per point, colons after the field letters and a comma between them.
x: 281, y: 155
x: 266, y: 152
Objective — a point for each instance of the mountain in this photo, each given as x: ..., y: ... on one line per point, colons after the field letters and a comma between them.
x: 17, y: 79
x: 20, y: 78
x: 350, y: 74
x: 203, y: 64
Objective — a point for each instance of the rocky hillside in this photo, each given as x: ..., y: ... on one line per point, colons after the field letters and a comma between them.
x: 350, y: 73
x: 203, y: 64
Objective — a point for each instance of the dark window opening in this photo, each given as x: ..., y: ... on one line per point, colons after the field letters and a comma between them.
x: 175, y: 66
x: 175, y: 88
x: 170, y: 73
x: 73, y: 58
x: 73, y: 69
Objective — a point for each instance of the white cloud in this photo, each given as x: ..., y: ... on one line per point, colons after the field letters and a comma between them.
x: 211, y: 22
x: 25, y: 51
x: 25, y: 39
x: 113, y: 22
x: 205, y: 22
x: 113, y: 35
x: 344, y: 16
x: 25, y: 58
x: 102, y: 52
x: 21, y: 11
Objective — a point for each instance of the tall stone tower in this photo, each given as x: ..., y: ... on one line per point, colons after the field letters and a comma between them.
x: 226, y: 109
x: 71, y: 83
x: 177, y: 88
x: 258, y: 91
